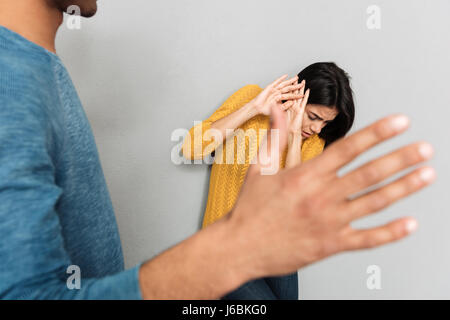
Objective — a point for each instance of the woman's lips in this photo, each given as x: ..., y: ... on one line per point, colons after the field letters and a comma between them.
x: 305, y: 134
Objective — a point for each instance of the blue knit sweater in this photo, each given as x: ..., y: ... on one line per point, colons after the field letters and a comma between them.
x: 55, y: 208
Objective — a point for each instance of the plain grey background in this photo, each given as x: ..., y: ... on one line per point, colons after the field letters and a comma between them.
x: 146, y: 68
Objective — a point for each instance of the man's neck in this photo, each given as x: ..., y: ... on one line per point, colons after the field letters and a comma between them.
x: 34, y: 20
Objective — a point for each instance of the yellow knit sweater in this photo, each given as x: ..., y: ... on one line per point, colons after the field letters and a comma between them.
x: 226, y: 179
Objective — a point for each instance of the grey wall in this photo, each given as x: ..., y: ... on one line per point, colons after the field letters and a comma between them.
x: 145, y: 68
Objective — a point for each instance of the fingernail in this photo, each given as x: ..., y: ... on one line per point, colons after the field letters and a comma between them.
x: 426, y: 150
x: 411, y: 226
x: 427, y: 174
x: 399, y: 122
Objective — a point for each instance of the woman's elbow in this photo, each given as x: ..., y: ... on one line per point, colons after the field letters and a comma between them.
x: 194, y: 145
x: 190, y: 153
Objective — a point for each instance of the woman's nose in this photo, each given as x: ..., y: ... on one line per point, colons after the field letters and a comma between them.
x: 316, y: 129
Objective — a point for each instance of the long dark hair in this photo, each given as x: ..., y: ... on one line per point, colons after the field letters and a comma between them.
x: 330, y: 86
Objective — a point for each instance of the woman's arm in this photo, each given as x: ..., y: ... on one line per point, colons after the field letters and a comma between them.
x: 246, y: 103
x: 228, y: 124
x: 294, y: 155
x: 197, y: 144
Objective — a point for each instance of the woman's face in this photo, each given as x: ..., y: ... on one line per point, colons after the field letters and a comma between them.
x: 316, y: 117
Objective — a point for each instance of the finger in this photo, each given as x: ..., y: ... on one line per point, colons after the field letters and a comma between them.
x: 292, y: 87
x: 302, y: 89
x: 290, y: 96
x: 384, y: 167
x: 297, y: 104
x: 288, y: 117
x: 288, y: 82
x: 304, y: 101
x: 347, y: 149
x: 287, y: 105
x: 385, y: 196
x: 269, y: 151
x: 277, y: 81
x: 374, y: 237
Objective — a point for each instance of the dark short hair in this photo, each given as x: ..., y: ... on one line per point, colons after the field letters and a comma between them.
x: 330, y: 86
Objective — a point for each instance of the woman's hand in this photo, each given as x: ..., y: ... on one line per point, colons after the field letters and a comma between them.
x: 294, y: 124
x: 275, y: 93
x: 296, y: 112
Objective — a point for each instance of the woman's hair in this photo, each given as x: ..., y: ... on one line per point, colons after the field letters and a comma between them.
x: 330, y: 86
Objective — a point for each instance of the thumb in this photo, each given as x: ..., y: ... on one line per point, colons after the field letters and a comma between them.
x: 273, y: 144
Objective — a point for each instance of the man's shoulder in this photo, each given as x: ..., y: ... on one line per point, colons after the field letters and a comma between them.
x: 23, y: 64
x: 27, y: 87
x: 27, y: 84
x: 22, y: 67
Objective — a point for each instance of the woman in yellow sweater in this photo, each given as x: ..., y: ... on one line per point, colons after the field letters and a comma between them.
x: 320, y: 110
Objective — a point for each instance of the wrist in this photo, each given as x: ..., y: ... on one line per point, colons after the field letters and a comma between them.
x: 244, y: 245
x: 294, y: 137
x: 225, y: 262
x: 207, y: 265
x: 235, y: 252
x: 295, y: 132
x: 252, y: 109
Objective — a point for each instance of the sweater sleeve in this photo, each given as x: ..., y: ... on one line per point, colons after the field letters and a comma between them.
x: 312, y: 148
x: 33, y: 259
x: 198, y: 146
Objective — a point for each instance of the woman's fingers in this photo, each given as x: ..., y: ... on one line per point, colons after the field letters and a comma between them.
x: 298, y: 102
x: 288, y: 82
x: 374, y: 237
x: 385, y: 196
x: 293, y: 87
x: 291, y: 111
x: 304, y: 101
x: 290, y: 96
x: 287, y: 105
x: 302, y: 89
x: 297, y: 105
x: 347, y: 149
x: 297, y: 120
x: 271, y: 89
x: 277, y: 82
x: 384, y: 167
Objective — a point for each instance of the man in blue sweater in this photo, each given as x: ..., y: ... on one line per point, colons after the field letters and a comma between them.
x: 55, y: 209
